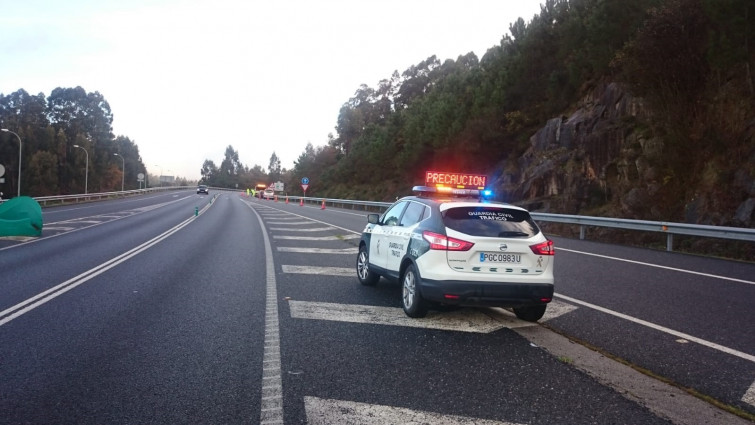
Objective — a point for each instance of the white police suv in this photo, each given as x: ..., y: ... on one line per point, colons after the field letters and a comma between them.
x: 447, y: 246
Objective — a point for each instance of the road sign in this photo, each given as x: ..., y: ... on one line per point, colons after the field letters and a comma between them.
x: 304, y: 187
x: 305, y: 181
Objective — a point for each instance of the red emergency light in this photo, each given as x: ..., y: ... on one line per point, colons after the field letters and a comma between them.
x: 455, y: 180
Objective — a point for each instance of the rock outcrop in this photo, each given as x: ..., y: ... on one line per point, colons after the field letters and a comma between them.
x: 603, y: 160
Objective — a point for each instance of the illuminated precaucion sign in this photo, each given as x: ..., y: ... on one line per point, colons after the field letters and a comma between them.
x: 456, y: 180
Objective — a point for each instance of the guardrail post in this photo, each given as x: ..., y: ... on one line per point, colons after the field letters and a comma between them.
x: 581, y: 232
x: 669, y: 242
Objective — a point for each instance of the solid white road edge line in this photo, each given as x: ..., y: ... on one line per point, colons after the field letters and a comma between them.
x: 749, y: 282
x: 660, y: 328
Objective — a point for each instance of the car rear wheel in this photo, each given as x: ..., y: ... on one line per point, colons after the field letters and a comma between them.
x: 366, y: 277
x: 531, y: 313
x: 411, y: 299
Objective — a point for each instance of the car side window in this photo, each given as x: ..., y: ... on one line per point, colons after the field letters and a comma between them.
x: 413, y: 214
x: 390, y: 218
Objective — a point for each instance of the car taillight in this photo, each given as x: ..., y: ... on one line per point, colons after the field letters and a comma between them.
x: 446, y: 243
x: 545, y: 248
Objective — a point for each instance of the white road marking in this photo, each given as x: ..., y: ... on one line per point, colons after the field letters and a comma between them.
x: 661, y: 328
x: 329, y: 271
x: 749, y: 396
x: 316, y: 238
x: 750, y: 282
x: 322, y: 411
x: 30, y: 304
x: 321, y: 222
x: 290, y: 223
x: 271, y: 397
x: 463, y: 320
x: 315, y: 229
x: 350, y: 251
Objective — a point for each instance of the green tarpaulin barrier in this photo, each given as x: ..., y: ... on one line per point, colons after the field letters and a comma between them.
x: 20, y: 216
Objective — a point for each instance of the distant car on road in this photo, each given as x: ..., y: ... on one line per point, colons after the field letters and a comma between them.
x: 447, y: 250
x: 268, y: 194
x: 203, y: 189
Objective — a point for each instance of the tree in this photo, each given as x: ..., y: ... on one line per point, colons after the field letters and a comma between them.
x: 274, y: 168
x: 209, y: 173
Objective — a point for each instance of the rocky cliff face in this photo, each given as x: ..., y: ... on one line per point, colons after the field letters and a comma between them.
x: 603, y: 160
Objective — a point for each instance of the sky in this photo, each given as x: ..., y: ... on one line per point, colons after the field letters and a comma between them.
x: 187, y: 78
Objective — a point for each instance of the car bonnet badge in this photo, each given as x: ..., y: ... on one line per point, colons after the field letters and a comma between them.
x: 503, y: 247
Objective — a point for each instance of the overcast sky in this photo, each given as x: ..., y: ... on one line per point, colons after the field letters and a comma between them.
x: 186, y: 78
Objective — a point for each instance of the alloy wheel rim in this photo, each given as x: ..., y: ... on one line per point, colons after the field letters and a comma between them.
x: 409, y: 289
x: 363, y: 265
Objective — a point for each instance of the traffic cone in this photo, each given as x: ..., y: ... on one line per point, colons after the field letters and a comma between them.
x: 322, y: 207
x: 286, y: 198
x: 276, y: 198
x: 301, y: 202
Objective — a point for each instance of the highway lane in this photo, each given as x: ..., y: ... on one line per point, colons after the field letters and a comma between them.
x: 170, y: 335
x: 174, y: 334
x: 705, y: 298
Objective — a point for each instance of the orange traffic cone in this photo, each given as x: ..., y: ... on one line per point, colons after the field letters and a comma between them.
x: 286, y: 198
x: 301, y: 202
x: 322, y: 207
x: 276, y: 198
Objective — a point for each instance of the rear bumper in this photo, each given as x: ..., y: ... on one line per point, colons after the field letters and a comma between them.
x: 493, y: 294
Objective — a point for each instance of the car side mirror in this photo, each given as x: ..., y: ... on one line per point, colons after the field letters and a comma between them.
x: 373, y: 218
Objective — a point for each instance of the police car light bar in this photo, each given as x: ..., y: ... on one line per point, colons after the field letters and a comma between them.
x: 449, y: 191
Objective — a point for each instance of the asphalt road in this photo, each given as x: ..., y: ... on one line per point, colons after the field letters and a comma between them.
x: 138, y: 311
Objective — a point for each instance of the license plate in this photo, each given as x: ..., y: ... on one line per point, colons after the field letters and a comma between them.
x: 496, y: 257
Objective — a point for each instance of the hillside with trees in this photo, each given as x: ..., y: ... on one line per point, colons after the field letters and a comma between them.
x: 678, y: 126
x: 640, y: 109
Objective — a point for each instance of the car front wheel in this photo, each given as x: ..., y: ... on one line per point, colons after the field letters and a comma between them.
x: 411, y: 299
x: 531, y: 313
x: 366, y: 277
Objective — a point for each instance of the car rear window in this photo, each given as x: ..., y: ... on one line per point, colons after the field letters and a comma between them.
x: 490, y: 221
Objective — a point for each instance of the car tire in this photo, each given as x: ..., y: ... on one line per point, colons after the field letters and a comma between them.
x: 364, y: 274
x: 411, y: 299
x: 531, y: 313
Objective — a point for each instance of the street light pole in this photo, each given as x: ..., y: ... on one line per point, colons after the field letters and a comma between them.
x: 5, y: 130
x: 86, y: 174
x: 123, y: 176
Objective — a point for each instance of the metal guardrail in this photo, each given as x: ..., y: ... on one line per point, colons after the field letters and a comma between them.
x: 75, y: 199
x: 669, y: 228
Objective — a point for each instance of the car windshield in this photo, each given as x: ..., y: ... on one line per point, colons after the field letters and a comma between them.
x: 490, y: 221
